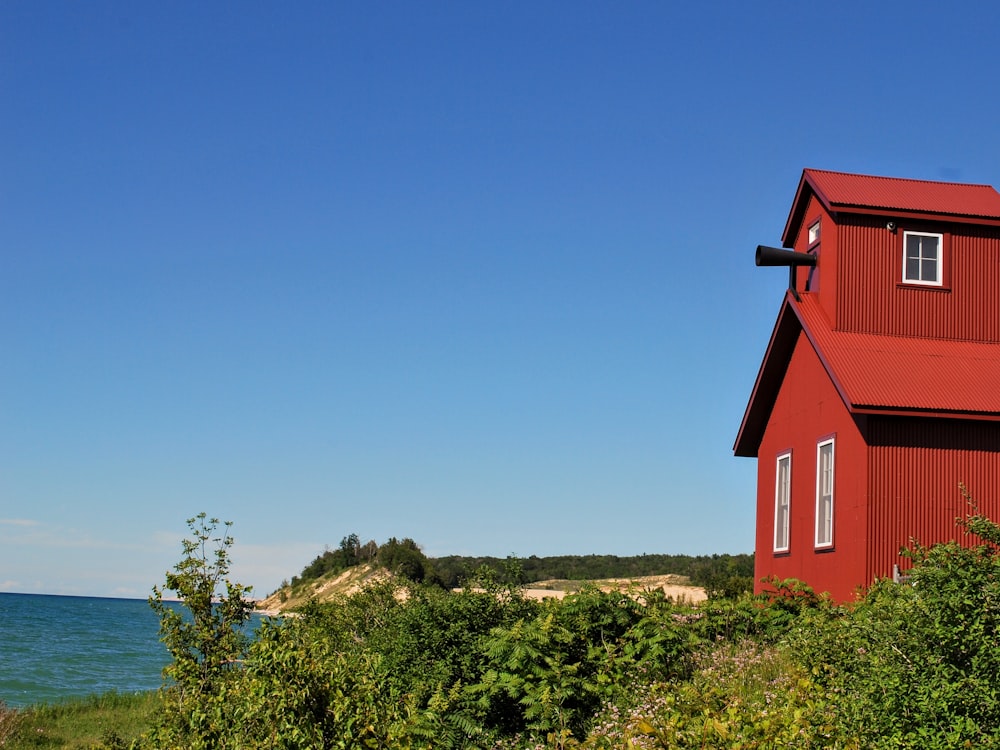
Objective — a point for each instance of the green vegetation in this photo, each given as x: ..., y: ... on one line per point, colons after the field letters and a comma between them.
x: 112, y: 721
x: 403, y: 664
x: 720, y: 575
x: 206, y: 644
x: 402, y: 558
x: 10, y: 722
x: 350, y: 553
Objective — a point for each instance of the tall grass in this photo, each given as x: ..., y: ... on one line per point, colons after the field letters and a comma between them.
x: 111, y: 720
x: 9, y: 722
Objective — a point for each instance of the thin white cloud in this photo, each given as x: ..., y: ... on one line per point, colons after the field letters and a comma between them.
x: 27, y: 533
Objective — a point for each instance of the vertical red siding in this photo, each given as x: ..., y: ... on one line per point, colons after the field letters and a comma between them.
x: 824, y: 275
x: 916, y: 466
x: 975, y: 273
x: 871, y: 299
x: 807, y: 410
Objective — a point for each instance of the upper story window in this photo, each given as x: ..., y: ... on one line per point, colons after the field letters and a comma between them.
x: 814, y: 233
x: 922, y: 262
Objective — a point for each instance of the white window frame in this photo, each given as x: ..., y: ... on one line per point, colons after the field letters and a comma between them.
x: 825, y: 475
x: 939, y: 267
x: 782, y: 502
x: 813, y: 233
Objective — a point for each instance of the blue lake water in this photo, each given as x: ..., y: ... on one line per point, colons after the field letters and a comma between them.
x: 55, y: 647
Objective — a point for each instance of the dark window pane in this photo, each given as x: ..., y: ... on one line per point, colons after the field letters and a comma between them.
x: 930, y: 247
x: 929, y: 270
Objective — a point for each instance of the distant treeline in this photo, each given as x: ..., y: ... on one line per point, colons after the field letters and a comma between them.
x: 703, y: 570
x: 721, y: 574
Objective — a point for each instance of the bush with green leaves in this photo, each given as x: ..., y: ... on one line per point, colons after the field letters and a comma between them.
x: 744, y: 695
x: 917, y: 665
x: 381, y: 668
x: 298, y: 690
x: 549, y: 675
x: 765, y: 617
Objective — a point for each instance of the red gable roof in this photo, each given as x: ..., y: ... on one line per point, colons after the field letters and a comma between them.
x: 892, y: 196
x: 876, y: 374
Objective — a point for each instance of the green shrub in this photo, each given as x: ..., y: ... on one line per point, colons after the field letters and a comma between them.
x: 549, y: 675
x: 768, y: 616
x: 916, y: 665
x: 741, y: 695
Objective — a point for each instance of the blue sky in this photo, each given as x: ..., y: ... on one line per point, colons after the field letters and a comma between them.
x: 478, y: 274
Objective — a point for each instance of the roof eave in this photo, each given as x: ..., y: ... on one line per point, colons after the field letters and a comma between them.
x: 769, y: 378
x: 798, y: 209
x: 771, y: 375
x: 918, y: 215
x: 889, y: 411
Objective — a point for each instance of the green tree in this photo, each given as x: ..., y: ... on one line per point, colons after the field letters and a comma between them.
x: 405, y: 558
x: 350, y: 550
x: 347, y: 555
x: 205, y: 638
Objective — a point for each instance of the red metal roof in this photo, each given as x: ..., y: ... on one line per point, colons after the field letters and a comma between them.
x: 838, y: 189
x: 894, y: 373
x: 857, y: 193
x: 876, y: 374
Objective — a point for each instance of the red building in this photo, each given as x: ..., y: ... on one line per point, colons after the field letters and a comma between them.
x: 880, y: 389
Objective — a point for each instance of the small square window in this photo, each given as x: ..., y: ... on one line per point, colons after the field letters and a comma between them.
x: 922, y: 258
x: 814, y: 233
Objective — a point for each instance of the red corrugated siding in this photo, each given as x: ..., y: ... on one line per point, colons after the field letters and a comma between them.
x: 822, y: 279
x: 975, y: 285
x: 915, y: 468
x: 871, y: 298
x: 866, y: 284
x: 896, y: 479
x: 807, y: 410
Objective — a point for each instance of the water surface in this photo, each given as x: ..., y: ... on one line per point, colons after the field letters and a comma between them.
x: 54, y: 647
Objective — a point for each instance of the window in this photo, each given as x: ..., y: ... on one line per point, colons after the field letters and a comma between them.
x: 824, y: 494
x: 814, y: 233
x: 922, y: 258
x: 782, y: 498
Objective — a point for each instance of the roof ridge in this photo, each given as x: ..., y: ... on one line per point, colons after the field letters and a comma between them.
x: 898, y: 179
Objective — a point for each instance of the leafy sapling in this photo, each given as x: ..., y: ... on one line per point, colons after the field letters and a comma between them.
x: 209, y: 637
